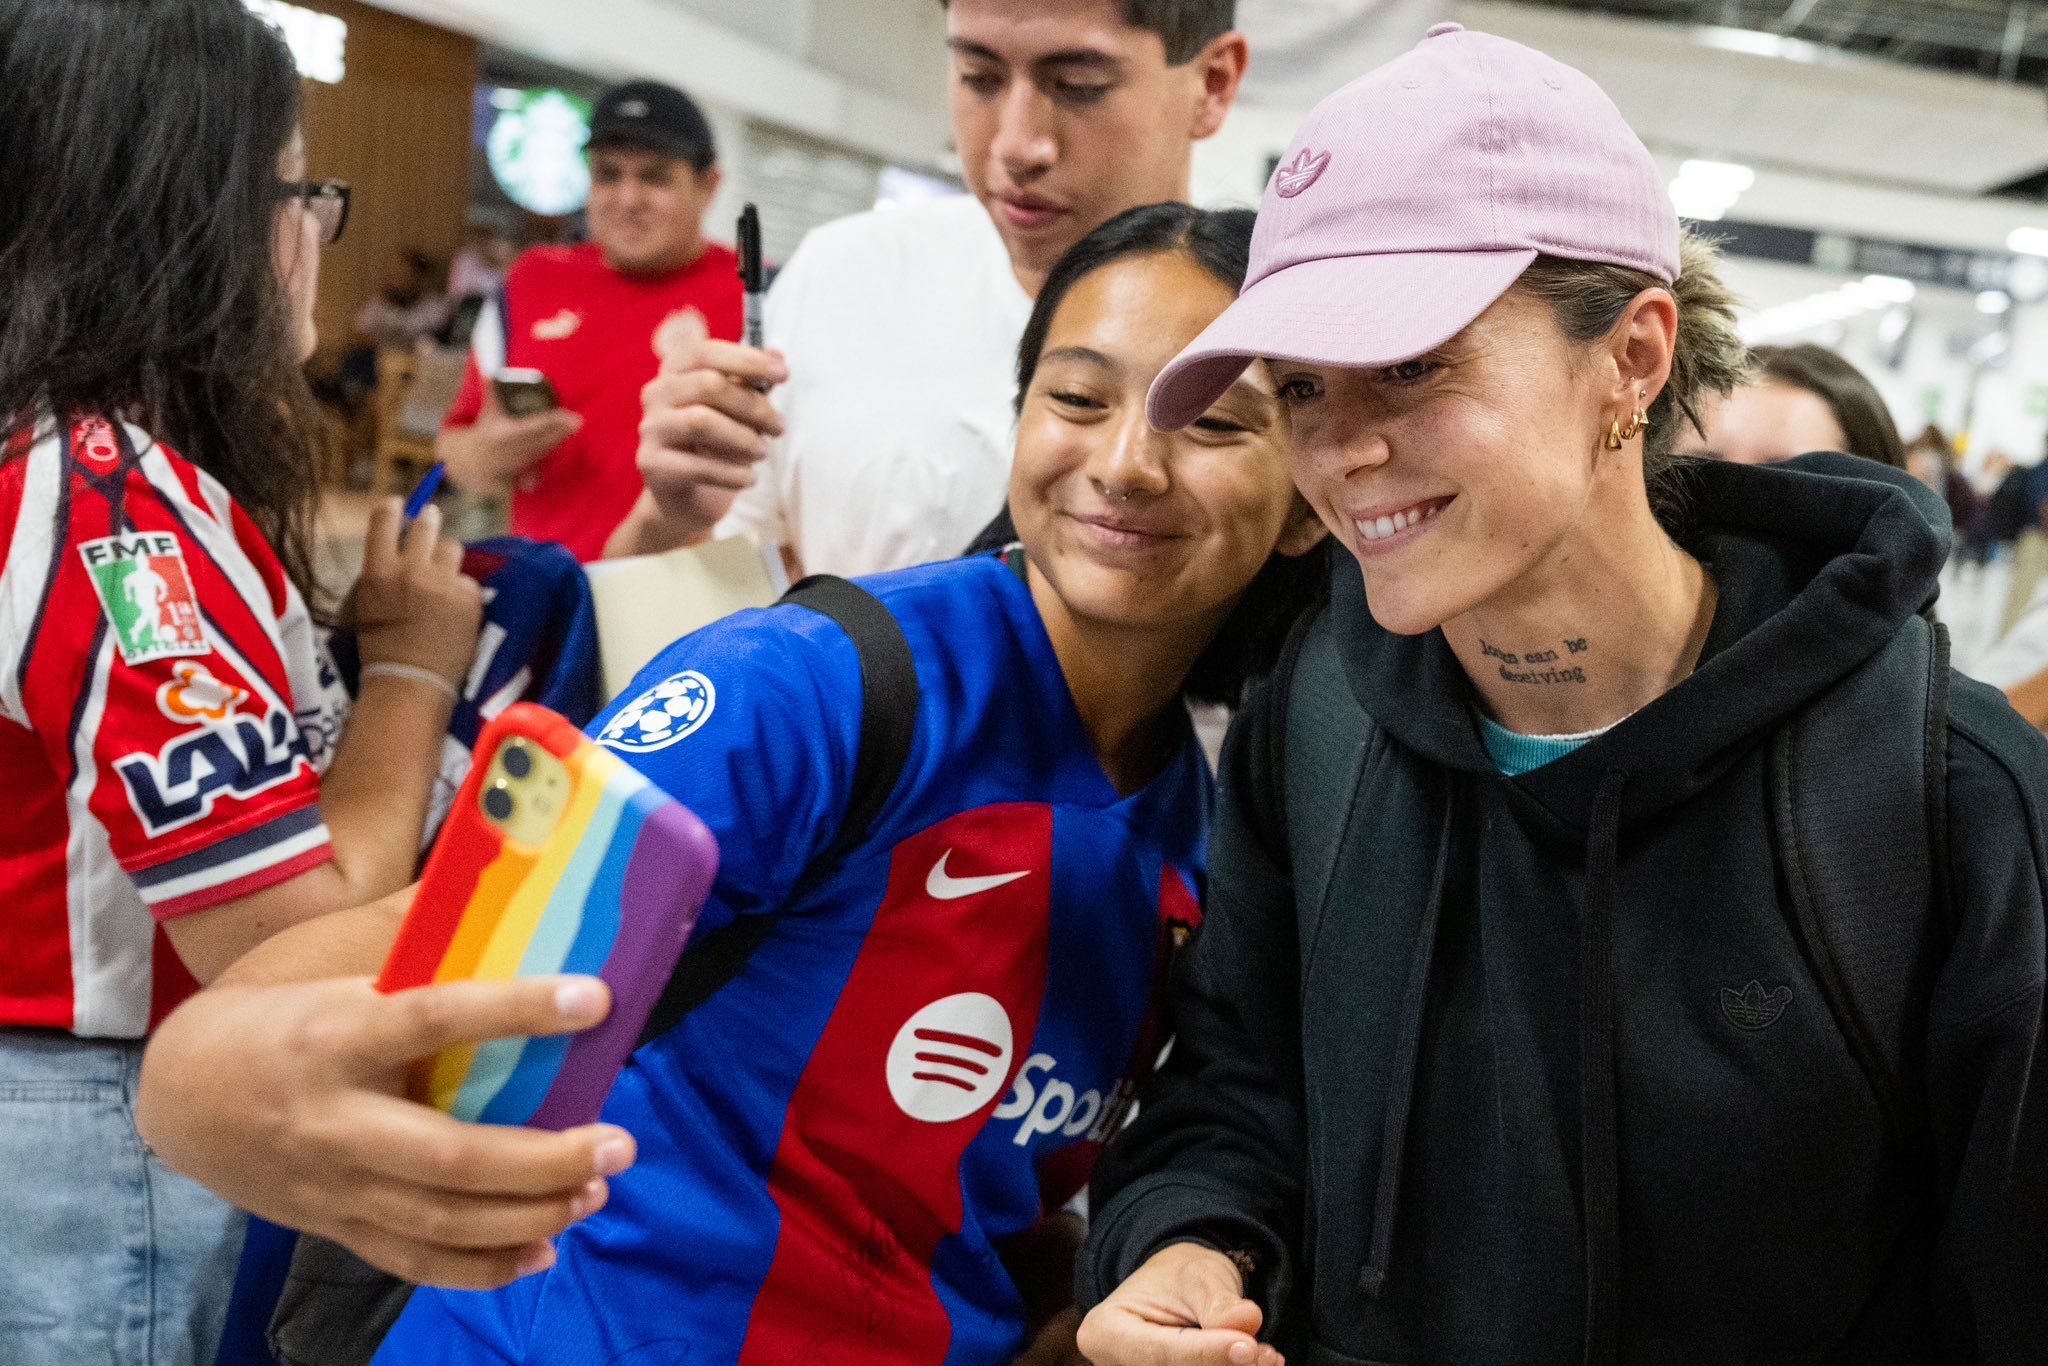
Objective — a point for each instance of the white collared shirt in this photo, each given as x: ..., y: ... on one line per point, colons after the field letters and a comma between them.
x: 901, y: 328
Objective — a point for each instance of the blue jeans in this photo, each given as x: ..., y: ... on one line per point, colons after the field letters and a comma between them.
x: 107, y: 1256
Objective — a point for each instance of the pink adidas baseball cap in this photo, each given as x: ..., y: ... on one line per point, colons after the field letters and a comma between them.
x: 1413, y: 198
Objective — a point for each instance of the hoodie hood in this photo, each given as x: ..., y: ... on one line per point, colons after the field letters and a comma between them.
x: 1818, y: 560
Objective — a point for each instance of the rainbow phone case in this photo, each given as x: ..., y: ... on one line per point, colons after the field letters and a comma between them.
x: 557, y: 857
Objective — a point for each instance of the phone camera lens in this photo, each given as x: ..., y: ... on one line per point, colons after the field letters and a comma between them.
x: 518, y: 762
x: 498, y: 804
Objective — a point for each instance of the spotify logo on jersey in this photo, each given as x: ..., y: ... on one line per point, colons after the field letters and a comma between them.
x: 950, y: 1058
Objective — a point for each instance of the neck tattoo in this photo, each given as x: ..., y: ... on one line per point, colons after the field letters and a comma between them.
x: 1565, y: 663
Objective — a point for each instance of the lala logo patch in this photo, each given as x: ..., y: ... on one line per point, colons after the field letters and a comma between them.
x: 1290, y: 180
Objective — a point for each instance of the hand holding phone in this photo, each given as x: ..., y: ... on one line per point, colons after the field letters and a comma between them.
x: 525, y: 393
x: 557, y: 858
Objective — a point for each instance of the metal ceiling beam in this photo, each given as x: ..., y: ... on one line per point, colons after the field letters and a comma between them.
x: 2016, y: 17
x: 1795, y: 14
x: 2000, y: 35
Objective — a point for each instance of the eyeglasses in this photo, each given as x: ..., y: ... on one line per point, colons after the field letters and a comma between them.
x: 326, y: 200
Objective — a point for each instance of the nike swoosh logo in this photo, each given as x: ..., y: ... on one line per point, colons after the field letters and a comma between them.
x: 942, y: 887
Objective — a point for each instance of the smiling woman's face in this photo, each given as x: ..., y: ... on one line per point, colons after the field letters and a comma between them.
x: 1450, y: 476
x: 1132, y: 527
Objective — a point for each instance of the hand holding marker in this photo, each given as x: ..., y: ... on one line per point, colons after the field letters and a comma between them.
x: 751, y: 286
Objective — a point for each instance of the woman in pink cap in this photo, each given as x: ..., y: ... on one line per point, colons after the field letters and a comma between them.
x: 1626, y: 937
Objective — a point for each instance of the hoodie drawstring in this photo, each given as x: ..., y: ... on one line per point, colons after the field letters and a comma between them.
x: 1599, y: 1165
x: 1394, y: 1139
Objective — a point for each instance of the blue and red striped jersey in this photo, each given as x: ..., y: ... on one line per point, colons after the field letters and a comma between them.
x: 922, y: 1056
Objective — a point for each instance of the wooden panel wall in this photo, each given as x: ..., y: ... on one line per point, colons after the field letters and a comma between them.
x: 399, y: 130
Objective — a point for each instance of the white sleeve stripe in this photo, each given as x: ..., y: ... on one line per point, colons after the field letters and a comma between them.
x: 253, y: 862
x: 488, y: 343
x: 25, y: 580
x: 217, y: 539
x: 217, y: 499
x: 110, y: 953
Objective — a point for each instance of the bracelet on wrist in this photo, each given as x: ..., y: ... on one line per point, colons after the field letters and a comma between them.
x: 385, y: 669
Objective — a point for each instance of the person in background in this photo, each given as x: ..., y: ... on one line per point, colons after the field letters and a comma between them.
x: 890, y: 335
x: 1561, y: 994
x: 586, y: 318
x: 478, y: 270
x: 410, y: 305
x: 476, y: 277
x: 1932, y: 460
x: 1800, y: 398
x: 185, y: 776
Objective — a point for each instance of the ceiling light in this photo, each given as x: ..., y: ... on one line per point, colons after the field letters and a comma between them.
x: 1708, y: 189
x: 318, y: 42
x: 2029, y: 241
x: 1889, y: 288
x: 1729, y: 176
x: 1698, y: 204
x: 1993, y: 301
x: 1755, y: 44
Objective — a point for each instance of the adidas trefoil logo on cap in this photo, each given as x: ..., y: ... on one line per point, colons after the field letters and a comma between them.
x: 633, y: 109
x: 1292, y: 179
x: 1753, y: 1008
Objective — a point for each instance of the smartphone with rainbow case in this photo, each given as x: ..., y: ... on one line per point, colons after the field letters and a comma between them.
x: 557, y: 857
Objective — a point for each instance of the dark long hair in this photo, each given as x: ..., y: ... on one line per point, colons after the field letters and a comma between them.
x: 139, y: 147
x: 1867, y: 426
x: 1219, y: 241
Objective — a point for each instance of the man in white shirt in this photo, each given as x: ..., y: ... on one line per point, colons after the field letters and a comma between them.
x: 891, y: 336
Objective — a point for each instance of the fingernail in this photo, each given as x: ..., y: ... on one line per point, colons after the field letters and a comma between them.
x: 1243, y: 1353
x: 613, y: 1156
x: 580, y: 999
x: 538, y: 1260
x: 588, y: 1201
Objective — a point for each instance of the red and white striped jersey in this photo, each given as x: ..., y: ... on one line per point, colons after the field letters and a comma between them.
x: 165, y: 711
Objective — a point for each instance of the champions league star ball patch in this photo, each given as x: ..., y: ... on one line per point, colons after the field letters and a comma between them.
x: 664, y: 714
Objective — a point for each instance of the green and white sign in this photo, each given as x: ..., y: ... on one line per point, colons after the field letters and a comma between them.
x: 535, y: 150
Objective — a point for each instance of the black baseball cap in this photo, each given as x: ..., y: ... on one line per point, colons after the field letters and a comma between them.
x: 657, y: 117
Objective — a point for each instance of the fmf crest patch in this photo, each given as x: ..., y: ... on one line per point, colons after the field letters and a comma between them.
x: 142, y: 584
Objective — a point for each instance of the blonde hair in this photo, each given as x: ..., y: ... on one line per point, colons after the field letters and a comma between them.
x: 1708, y: 356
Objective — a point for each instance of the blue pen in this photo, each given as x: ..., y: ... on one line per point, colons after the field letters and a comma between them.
x: 429, y: 485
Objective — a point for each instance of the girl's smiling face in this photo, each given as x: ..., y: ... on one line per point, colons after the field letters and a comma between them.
x: 1134, y: 527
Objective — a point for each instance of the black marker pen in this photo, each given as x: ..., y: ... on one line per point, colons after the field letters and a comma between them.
x: 750, y: 274
x: 751, y: 287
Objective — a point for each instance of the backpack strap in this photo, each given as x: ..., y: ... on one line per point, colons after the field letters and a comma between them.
x: 1860, y: 813
x: 888, y: 724
x: 888, y: 701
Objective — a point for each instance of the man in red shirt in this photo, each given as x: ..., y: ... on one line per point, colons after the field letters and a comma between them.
x: 586, y: 316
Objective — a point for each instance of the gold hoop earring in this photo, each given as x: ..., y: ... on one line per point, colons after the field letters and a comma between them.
x: 1614, y: 436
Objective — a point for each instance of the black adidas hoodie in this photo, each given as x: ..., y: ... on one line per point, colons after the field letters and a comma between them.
x: 1393, y: 1122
